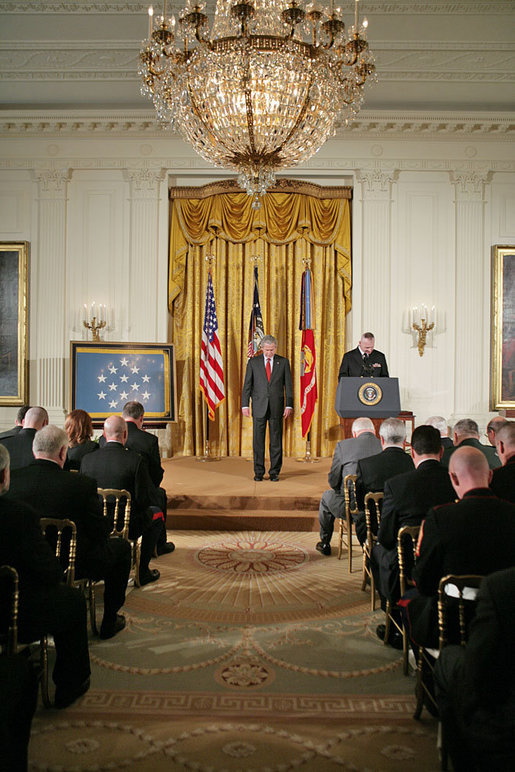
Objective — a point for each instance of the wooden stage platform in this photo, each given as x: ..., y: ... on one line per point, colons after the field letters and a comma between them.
x: 222, y: 495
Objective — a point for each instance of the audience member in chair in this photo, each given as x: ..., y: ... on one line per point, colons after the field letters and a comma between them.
x: 440, y: 423
x: 374, y: 471
x: 407, y: 499
x: 19, y: 445
x: 18, y: 424
x: 47, y: 606
x: 503, y: 478
x: 493, y: 426
x: 466, y: 435
x: 147, y: 445
x: 475, y: 684
x: 472, y: 536
x: 79, y: 428
x: 115, y: 466
x: 345, y: 460
x: 53, y: 492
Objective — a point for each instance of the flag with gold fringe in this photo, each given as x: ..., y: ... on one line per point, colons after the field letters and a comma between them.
x: 211, y: 364
x: 256, y: 329
x: 308, y: 374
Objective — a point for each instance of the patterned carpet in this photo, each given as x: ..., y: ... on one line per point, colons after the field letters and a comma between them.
x: 252, y: 652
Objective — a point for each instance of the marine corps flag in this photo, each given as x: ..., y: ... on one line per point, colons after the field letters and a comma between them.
x: 308, y: 374
x: 256, y: 330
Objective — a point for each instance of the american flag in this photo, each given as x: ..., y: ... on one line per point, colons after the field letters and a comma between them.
x: 256, y: 330
x: 211, y: 364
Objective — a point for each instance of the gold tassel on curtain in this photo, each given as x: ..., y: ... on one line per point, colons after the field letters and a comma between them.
x: 288, y: 228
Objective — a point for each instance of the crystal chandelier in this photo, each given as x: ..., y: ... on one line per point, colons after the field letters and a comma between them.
x: 263, y: 89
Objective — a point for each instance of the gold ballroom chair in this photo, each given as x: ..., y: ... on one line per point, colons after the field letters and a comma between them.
x: 406, y: 552
x: 62, y: 536
x: 373, y: 504
x: 457, y: 599
x: 345, y: 525
x: 121, y: 514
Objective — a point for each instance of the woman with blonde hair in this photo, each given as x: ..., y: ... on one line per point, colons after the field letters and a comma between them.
x: 79, y: 429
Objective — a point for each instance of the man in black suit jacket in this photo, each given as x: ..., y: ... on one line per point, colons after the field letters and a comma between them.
x: 47, y: 606
x: 364, y: 360
x: 475, y: 684
x: 466, y: 435
x: 53, y: 492
x: 268, y: 384
x: 472, y: 536
x: 374, y: 471
x: 147, y: 445
x: 407, y: 499
x: 19, y: 445
x: 18, y: 426
x: 503, y: 478
x: 115, y: 466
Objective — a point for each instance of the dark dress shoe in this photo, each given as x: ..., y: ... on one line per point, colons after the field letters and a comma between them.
x: 110, y: 630
x: 166, y: 548
x: 394, y: 636
x: 152, y: 575
x: 257, y: 478
x: 65, y: 697
x: 274, y: 478
x: 324, y: 548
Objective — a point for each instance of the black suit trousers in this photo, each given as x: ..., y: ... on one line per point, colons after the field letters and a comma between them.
x: 275, y: 428
x: 111, y: 561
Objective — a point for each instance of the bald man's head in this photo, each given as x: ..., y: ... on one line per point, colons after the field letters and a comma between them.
x: 505, y: 441
x: 35, y: 418
x: 115, y: 429
x: 468, y: 469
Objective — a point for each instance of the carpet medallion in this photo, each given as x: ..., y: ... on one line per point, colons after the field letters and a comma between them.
x: 252, y: 652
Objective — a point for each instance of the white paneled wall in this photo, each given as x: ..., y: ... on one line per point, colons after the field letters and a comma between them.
x: 424, y: 219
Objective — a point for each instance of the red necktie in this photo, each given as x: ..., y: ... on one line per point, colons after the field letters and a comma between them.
x: 268, y: 369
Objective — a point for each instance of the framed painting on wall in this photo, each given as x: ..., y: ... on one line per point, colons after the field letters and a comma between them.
x: 104, y: 376
x: 14, y: 290
x: 503, y: 328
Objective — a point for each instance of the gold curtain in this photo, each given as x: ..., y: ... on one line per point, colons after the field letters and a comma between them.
x: 288, y: 228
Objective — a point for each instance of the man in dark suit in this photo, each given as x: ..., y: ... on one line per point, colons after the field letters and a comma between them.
x: 53, y: 492
x: 475, y: 684
x: 440, y: 423
x: 115, y: 466
x: 407, y: 499
x: 374, y: 471
x: 19, y: 445
x: 472, y: 536
x: 147, y: 445
x: 268, y: 384
x: 493, y: 426
x: 47, y: 606
x: 18, y: 425
x: 347, y: 453
x: 466, y: 435
x: 364, y: 360
x: 503, y: 478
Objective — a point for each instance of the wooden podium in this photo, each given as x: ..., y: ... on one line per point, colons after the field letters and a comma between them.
x: 375, y: 398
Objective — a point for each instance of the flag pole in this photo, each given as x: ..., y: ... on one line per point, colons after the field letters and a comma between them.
x: 256, y: 321
x: 307, y: 323
x: 210, y: 258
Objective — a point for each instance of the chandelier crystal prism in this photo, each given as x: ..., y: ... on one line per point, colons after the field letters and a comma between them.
x: 263, y: 89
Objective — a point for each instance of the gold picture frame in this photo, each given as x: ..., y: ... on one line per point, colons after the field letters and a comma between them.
x: 503, y: 328
x: 14, y: 318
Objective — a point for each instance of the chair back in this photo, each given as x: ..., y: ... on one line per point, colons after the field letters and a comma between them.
x: 349, y: 487
x: 62, y: 536
x: 117, y: 506
x: 457, y: 600
x: 373, y: 505
x: 407, y: 538
x: 9, y: 597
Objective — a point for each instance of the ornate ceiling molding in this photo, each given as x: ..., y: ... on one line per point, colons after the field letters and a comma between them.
x: 376, y: 124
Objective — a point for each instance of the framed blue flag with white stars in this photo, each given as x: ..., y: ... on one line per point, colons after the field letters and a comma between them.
x: 104, y: 376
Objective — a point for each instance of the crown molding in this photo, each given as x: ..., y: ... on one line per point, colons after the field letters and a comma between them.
x: 374, y: 7
x: 143, y: 123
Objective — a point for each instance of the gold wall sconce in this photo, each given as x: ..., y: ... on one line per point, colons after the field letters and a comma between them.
x: 94, y: 318
x: 422, y: 321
